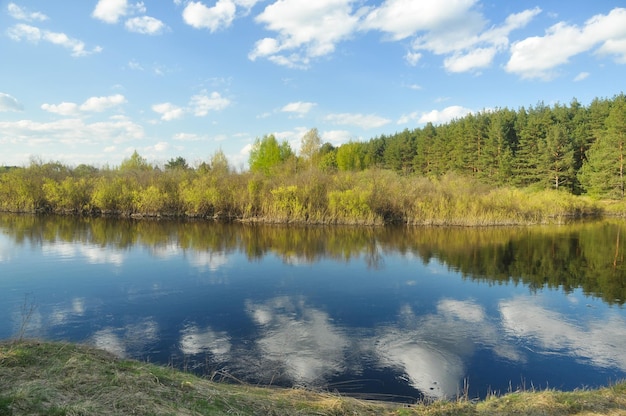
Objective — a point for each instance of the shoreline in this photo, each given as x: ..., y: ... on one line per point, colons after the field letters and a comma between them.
x: 61, y: 378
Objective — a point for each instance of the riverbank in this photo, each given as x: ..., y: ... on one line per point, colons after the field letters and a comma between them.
x: 57, y: 378
x: 369, y: 197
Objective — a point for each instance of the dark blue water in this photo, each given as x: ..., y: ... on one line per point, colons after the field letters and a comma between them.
x: 399, y: 314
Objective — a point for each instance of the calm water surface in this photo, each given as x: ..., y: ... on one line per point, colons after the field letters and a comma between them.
x: 403, y: 313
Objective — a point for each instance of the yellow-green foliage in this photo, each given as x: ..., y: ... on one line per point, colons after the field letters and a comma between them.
x: 371, y: 196
x: 351, y: 206
x: 198, y: 197
x: 286, y: 204
x: 71, y: 194
x: 114, y: 195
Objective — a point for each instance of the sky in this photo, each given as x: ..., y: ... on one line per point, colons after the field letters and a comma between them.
x: 91, y: 81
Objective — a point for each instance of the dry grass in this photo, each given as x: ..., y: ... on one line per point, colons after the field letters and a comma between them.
x: 38, y: 378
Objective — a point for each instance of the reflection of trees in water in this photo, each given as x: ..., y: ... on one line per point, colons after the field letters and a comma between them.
x: 588, y: 255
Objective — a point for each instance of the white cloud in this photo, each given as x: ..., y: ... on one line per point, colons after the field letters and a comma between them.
x: 64, y: 109
x: 413, y: 57
x: 188, y: 137
x: 9, y: 103
x: 93, y: 104
x: 201, y: 104
x: 300, y: 107
x: 453, y: 28
x: 337, y: 137
x: 477, y: 58
x: 99, y: 104
x: 70, y: 131
x: 110, y: 11
x: 404, y: 18
x: 539, y: 56
x: 405, y: 118
x: 33, y: 34
x: 581, y: 76
x: 305, y: 30
x: 220, y: 16
x: 445, y: 115
x: 134, y: 65
x: 361, y: 120
x: 158, y: 147
x: 145, y: 25
x: 168, y: 111
x: 20, y: 13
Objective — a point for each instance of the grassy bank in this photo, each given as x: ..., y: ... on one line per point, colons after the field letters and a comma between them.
x: 68, y: 379
x: 370, y: 197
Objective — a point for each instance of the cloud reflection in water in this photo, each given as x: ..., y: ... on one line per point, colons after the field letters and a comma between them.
x: 194, y: 340
x: 431, y: 349
x: 300, y: 339
x: 600, y: 342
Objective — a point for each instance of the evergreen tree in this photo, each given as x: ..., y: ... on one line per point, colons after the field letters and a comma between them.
x: 496, y: 157
x: 603, y: 173
x: 532, y: 128
x: 557, y: 158
x: 423, y: 160
x: 400, y: 151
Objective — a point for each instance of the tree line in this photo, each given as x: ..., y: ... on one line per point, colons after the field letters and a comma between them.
x: 531, y: 165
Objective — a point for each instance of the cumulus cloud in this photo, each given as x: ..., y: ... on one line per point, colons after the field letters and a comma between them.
x: 99, y: 104
x: 21, y: 13
x: 539, y: 56
x: 201, y: 104
x: 168, y: 111
x: 145, y: 25
x: 445, y: 115
x: 300, y: 107
x: 70, y: 131
x: 477, y: 58
x: 363, y: 121
x: 403, y: 18
x: 33, y: 34
x: 92, y: 104
x: 305, y: 30
x: 200, y: 16
x: 217, y: 17
x: 581, y: 76
x: 412, y: 57
x: 9, y: 103
x: 64, y: 109
x: 110, y: 11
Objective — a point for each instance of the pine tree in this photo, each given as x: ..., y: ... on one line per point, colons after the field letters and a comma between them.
x: 603, y: 173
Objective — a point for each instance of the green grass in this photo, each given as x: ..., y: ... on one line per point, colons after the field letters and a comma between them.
x: 43, y: 378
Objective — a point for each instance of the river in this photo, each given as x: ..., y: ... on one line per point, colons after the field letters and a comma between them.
x: 393, y: 313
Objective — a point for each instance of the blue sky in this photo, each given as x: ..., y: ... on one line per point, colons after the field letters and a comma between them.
x: 90, y: 81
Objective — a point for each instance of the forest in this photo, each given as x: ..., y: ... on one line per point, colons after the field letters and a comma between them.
x: 495, y: 167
